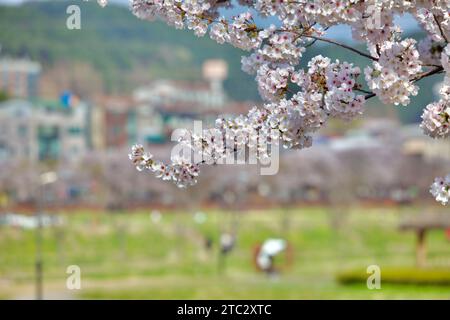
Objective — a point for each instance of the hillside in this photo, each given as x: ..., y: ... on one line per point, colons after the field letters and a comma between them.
x: 126, y: 51
x: 114, y: 42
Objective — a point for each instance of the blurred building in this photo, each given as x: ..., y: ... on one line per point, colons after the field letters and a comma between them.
x: 195, y: 96
x: 19, y: 78
x: 43, y: 130
x: 113, y: 122
x: 416, y: 143
x: 153, y: 111
x: 165, y: 105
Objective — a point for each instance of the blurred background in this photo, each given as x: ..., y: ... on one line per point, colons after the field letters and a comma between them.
x: 72, y: 102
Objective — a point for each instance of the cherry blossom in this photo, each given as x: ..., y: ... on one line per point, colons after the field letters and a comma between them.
x: 102, y: 3
x: 390, y: 76
x: 445, y: 60
x: 436, y: 119
x: 299, y: 101
x: 440, y: 189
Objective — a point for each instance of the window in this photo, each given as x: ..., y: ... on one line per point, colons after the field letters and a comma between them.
x: 22, y: 131
x: 3, y: 151
x: 75, y: 131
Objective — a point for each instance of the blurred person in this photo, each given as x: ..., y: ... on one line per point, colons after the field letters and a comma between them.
x: 266, y: 253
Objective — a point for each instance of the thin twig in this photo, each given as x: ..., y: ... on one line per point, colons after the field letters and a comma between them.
x: 440, y: 28
x: 311, y: 43
x: 343, y: 46
x: 431, y: 65
x: 427, y: 74
x: 371, y: 95
x: 363, y: 91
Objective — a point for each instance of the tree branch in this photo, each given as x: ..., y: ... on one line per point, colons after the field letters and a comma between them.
x: 363, y: 91
x: 342, y: 45
x: 370, y: 95
x: 427, y: 74
x: 440, y: 28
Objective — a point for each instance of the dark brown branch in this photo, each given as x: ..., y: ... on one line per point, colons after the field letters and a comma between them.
x: 371, y: 95
x: 363, y: 91
x: 427, y: 74
x: 440, y: 28
x: 342, y: 45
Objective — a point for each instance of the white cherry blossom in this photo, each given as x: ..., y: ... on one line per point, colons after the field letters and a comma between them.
x: 440, y: 189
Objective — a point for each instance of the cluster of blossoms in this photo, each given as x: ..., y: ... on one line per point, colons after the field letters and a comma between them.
x: 272, y: 83
x: 377, y: 26
x: 436, y: 119
x: 436, y: 116
x: 340, y: 100
x: 440, y: 189
x: 390, y: 77
x: 180, y: 171
x: 435, y: 19
x: 193, y: 14
x: 326, y: 91
x: 281, y: 47
x: 242, y: 32
x: 300, y: 101
x: 445, y: 60
x: 436, y: 124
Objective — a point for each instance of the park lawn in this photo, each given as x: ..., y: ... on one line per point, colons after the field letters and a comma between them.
x: 128, y: 256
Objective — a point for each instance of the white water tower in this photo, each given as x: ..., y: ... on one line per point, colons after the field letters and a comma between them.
x: 215, y: 71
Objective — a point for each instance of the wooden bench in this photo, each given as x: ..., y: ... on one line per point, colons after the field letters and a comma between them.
x: 420, y: 224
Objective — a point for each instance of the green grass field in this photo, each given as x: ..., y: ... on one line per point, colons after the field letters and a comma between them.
x: 128, y: 256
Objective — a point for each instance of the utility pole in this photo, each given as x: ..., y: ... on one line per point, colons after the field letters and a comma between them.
x: 38, y: 264
x: 45, y: 179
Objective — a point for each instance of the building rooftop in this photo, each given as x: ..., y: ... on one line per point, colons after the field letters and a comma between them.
x: 53, y: 105
x: 19, y: 65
